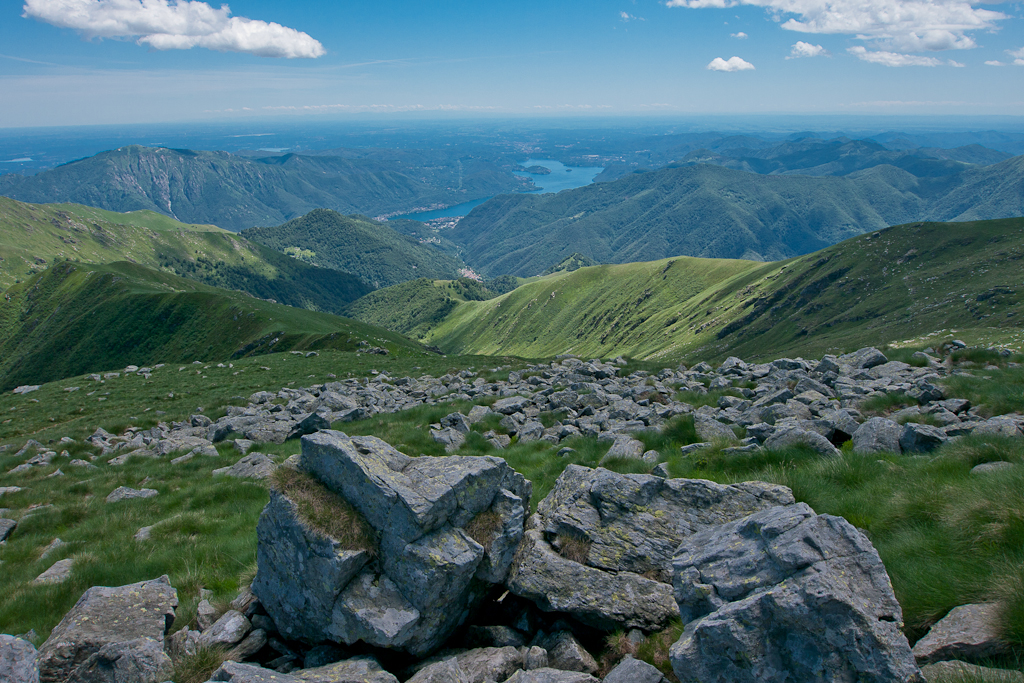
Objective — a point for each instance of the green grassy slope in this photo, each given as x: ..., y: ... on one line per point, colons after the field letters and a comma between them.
x: 238, y: 192
x: 355, y: 244
x: 887, y: 286
x: 76, y: 318
x: 413, y: 308
x: 32, y: 236
x: 716, y: 212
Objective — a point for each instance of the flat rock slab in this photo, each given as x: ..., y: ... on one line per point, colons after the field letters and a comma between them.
x: 58, y: 573
x: 138, y: 661
x: 548, y: 675
x: 236, y: 672
x: 968, y: 632
x: 252, y: 466
x: 983, y: 468
x: 17, y: 660
x: 631, y: 670
x: 127, y: 493
x: 103, y: 616
x: 356, y: 670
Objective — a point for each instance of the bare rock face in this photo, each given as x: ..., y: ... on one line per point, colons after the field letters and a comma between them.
x: 18, y: 661
x: 787, y: 595
x: 624, y: 529
x: 968, y: 632
x: 106, y: 616
x: 137, y: 661
x: 446, y: 528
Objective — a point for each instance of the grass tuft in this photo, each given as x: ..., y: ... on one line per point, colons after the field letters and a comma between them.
x: 198, y: 667
x: 325, y: 511
x: 573, y: 548
x: 484, y: 528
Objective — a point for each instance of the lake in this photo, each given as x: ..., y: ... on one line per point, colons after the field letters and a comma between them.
x: 562, y: 177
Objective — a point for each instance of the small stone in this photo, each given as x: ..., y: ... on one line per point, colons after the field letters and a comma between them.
x: 127, y: 493
x: 7, y: 527
x: 143, y: 534
x: 987, y: 467
x: 58, y: 573
x: 967, y: 632
x: 230, y: 629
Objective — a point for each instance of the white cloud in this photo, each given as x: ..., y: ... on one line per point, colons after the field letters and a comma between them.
x: 170, y: 25
x: 892, y: 58
x: 994, y: 62
x: 741, y: 35
x: 953, y: 62
x: 1018, y: 56
x: 802, y: 49
x: 626, y: 16
x: 906, y: 25
x: 731, y: 64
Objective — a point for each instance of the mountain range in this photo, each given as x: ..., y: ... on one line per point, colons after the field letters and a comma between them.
x: 237, y: 192
x: 715, y: 212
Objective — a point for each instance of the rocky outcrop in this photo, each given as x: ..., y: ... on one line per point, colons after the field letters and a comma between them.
x: 445, y: 529
x: 787, y: 595
x: 601, y: 541
x: 18, y: 661
x: 106, y: 617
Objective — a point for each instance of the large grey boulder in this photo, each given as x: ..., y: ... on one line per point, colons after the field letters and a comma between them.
x: 18, y: 660
x: 446, y: 528
x: 625, y: 528
x: 877, y: 435
x: 103, y: 616
x: 548, y: 675
x: 136, y: 661
x: 921, y: 438
x: 364, y: 669
x: 787, y: 437
x: 786, y: 595
x: 631, y: 670
x: 968, y: 632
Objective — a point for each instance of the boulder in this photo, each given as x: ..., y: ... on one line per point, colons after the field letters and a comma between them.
x: 877, y: 435
x: 136, y: 661
x: 103, y: 616
x: 510, y: 405
x: 787, y: 437
x: 127, y: 493
x: 921, y: 438
x: 968, y: 632
x: 252, y: 466
x: 998, y: 426
x: 235, y: 672
x: 364, y: 669
x: 477, y: 413
x: 451, y: 439
x: 18, y: 660
x: 446, y: 528
x: 863, y: 359
x: 625, y: 447
x: 987, y: 467
x: 631, y: 670
x: 551, y: 676
x: 787, y: 595
x: 446, y: 671
x: 710, y: 429
x: 59, y: 572
x: 229, y: 630
x: 568, y: 654
x: 7, y: 527
x: 458, y: 422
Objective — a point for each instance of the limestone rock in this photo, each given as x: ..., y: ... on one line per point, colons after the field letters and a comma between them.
x: 877, y: 435
x: 17, y: 660
x: 631, y: 670
x: 363, y: 669
x: 136, y: 661
x: 428, y: 571
x: 59, y: 572
x: 103, y: 616
x: 787, y: 595
x: 127, y: 493
x: 968, y: 632
x: 551, y: 676
x: 788, y: 437
x: 252, y: 466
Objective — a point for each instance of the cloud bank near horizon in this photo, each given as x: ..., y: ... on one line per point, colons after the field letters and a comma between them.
x: 170, y: 25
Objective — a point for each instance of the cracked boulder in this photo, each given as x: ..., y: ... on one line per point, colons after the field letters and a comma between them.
x: 444, y: 530
x: 787, y: 595
x: 601, y: 544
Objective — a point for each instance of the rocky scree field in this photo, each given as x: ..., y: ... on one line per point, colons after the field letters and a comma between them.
x: 920, y: 451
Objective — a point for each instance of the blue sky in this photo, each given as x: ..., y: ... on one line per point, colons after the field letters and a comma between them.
x: 337, y: 59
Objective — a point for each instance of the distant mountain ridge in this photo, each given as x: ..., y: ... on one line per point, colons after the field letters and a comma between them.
x: 237, y: 192
x: 715, y: 212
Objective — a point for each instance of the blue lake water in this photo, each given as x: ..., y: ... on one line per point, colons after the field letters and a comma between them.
x: 562, y: 177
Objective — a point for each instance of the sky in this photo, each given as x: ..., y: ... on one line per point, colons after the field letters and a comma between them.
x: 88, y: 62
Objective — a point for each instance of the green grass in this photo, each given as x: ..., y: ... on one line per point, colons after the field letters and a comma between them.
x: 905, y: 286
x: 1001, y: 393
x: 325, y: 511
x: 36, y: 236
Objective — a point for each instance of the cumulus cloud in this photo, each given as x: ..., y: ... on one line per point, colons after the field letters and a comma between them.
x: 731, y: 64
x: 994, y: 62
x: 892, y: 58
x: 1018, y: 56
x: 741, y: 35
x: 171, y: 25
x: 802, y: 49
x: 953, y: 62
x: 898, y: 25
x: 626, y: 16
